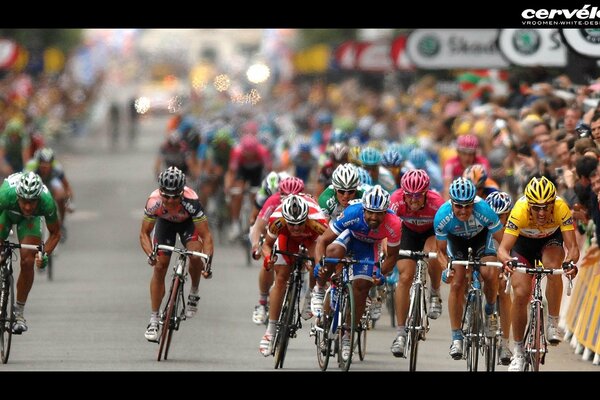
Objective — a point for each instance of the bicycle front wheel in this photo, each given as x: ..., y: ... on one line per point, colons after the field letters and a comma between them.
x: 414, y: 326
x: 282, y: 336
x: 167, y: 325
x: 390, y: 302
x: 7, y: 302
x: 347, y: 327
x: 473, y: 334
x: 361, y: 335
x: 534, y: 340
x: 49, y: 267
x: 323, y: 341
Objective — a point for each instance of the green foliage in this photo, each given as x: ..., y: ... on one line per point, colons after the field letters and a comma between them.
x: 333, y: 37
x: 64, y: 39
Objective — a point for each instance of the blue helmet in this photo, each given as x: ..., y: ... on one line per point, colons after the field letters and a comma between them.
x: 370, y: 156
x: 418, y: 157
x: 364, y: 177
x: 462, y: 190
x: 391, y: 158
x: 501, y: 202
x: 376, y: 199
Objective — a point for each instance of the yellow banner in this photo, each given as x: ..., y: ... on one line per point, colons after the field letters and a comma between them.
x: 312, y: 60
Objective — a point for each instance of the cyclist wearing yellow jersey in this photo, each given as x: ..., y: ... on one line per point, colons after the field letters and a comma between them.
x: 536, y: 228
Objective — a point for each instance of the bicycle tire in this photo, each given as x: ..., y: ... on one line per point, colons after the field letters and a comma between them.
x: 285, y: 321
x: 362, y: 335
x: 535, y: 353
x: 168, y: 314
x: 413, y: 322
x: 473, y: 337
x: 390, y: 302
x: 7, y: 293
x: 323, y: 341
x: 491, y: 350
x: 174, y: 326
x: 49, y: 267
x: 347, y: 314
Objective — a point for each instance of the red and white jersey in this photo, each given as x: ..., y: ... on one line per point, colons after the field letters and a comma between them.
x: 316, y: 222
x: 420, y: 220
x: 240, y: 157
x: 189, y: 207
x: 272, y: 202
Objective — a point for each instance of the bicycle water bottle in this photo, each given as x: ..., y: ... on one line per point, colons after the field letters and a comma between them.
x: 332, y: 297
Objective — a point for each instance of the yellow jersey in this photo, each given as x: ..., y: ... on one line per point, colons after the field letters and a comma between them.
x: 521, y: 222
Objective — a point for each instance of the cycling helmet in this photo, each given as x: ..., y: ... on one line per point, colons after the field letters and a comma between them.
x: 338, y: 136
x: 250, y: 128
x: 477, y: 174
x: 291, y: 185
x: 391, y: 158
x: 418, y: 158
x: 462, y: 191
x: 294, y: 209
x: 354, y: 155
x: 540, y: 191
x: 339, y: 152
x: 44, y: 155
x: 415, y: 181
x: 222, y: 136
x: 467, y: 143
x: 171, y: 181
x: 30, y: 186
x: 345, y: 177
x: 370, y: 156
x: 376, y: 199
x: 501, y: 202
x: 271, y: 183
x: 364, y: 177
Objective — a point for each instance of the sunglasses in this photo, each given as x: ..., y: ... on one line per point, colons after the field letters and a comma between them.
x: 414, y: 195
x: 170, y: 196
x: 298, y: 224
x: 340, y: 191
x: 461, y: 206
x: 538, y: 208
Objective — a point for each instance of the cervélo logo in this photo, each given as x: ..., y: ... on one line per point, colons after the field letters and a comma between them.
x: 563, y: 17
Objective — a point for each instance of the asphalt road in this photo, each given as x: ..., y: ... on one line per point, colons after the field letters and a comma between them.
x: 93, y: 315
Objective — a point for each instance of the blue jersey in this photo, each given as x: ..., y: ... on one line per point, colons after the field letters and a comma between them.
x: 445, y: 223
x: 352, y: 219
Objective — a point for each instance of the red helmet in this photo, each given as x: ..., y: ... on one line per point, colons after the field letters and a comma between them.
x: 468, y: 143
x: 291, y: 185
x: 249, y: 143
x: 415, y: 181
x: 250, y: 127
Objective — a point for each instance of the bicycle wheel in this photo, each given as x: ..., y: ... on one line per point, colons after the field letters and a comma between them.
x: 282, y: 336
x: 164, y: 340
x: 414, y: 326
x: 175, y: 318
x: 390, y: 302
x: 7, y: 301
x: 347, y: 310
x: 361, y: 336
x: 491, y: 350
x: 534, y: 342
x: 49, y: 267
x: 473, y: 337
x: 323, y: 341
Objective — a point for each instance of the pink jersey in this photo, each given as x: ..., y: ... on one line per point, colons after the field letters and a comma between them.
x: 453, y: 169
x: 420, y: 220
x: 272, y: 202
x: 189, y: 207
x: 240, y: 157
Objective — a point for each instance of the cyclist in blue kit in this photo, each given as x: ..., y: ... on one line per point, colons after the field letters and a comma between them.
x: 466, y: 221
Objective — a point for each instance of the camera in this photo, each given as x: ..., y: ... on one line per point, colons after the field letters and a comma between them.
x: 559, y: 171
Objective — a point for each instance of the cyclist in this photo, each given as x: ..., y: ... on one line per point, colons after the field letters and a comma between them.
x: 478, y: 175
x: 359, y: 230
x: 173, y: 209
x: 537, y: 226
x: 287, y: 186
x: 53, y: 176
x: 344, y: 188
x: 268, y: 187
x: 466, y: 148
x: 297, y: 221
x: 14, y: 147
x: 338, y: 155
x: 23, y: 200
x: 392, y: 160
x: 370, y: 158
x: 467, y: 221
x: 416, y: 205
x: 501, y: 203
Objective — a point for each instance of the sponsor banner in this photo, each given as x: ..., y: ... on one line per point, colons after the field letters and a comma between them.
x: 587, y: 269
x: 345, y: 55
x: 585, y: 42
x: 399, y: 55
x: 373, y: 57
x: 455, y: 48
x: 8, y: 53
x: 312, y: 60
x: 586, y: 16
x: 587, y: 335
x: 531, y: 47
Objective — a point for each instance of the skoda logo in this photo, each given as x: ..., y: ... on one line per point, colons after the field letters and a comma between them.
x: 526, y: 41
x: 429, y: 46
x: 591, y: 35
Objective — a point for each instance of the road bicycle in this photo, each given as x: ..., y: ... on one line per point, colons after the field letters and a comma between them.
x: 475, y: 338
x: 417, y: 322
x: 7, y: 293
x: 534, y: 342
x: 289, y: 320
x: 174, y: 310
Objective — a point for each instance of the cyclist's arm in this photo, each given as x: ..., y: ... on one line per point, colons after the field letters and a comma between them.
x: 145, y: 238
x: 268, y: 245
x: 54, y: 238
x: 498, y: 235
x: 256, y: 230
x: 67, y: 186
x: 507, y: 243
x: 205, y: 235
x: 390, y: 259
x: 322, y: 242
x: 442, y: 248
x: 571, y: 246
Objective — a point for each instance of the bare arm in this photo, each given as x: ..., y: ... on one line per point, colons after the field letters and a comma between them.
x: 322, y: 242
x: 571, y: 245
x: 145, y: 239
x: 506, y: 245
x: 442, y: 252
x: 54, y: 237
x: 205, y: 236
x: 390, y: 260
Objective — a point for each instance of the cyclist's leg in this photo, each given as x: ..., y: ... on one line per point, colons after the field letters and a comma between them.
x: 164, y: 233
x: 435, y: 274
x: 553, y: 255
x: 189, y: 234
x: 457, y: 250
x: 521, y: 287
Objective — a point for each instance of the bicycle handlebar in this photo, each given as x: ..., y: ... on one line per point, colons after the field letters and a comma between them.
x: 183, y: 251
x: 38, y: 247
x: 417, y: 254
x: 496, y: 264
x: 257, y: 253
x: 290, y: 254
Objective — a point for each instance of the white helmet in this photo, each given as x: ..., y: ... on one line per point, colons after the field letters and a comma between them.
x: 376, y: 199
x: 345, y: 177
x: 294, y: 209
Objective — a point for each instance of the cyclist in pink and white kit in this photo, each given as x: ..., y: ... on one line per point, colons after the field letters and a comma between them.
x: 466, y: 147
x: 416, y: 206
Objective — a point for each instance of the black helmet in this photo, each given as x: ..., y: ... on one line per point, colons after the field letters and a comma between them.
x: 171, y: 181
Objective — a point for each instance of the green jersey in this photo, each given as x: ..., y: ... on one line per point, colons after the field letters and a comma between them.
x: 330, y: 206
x: 46, y: 206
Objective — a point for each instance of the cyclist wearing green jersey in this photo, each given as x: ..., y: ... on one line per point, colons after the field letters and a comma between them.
x: 343, y: 188
x: 23, y: 200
